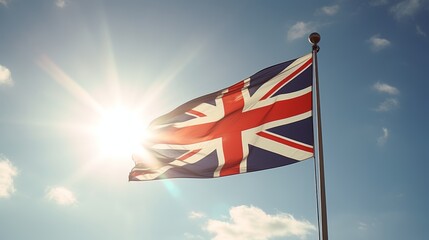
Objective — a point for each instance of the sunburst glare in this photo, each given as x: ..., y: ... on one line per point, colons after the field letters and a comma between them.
x: 119, y: 131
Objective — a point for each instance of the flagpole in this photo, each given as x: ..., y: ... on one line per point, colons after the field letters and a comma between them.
x: 314, y: 39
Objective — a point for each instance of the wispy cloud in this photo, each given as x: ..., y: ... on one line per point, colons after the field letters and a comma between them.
x: 196, y: 215
x: 378, y: 43
x: 384, y: 136
x: 252, y: 223
x: 420, y: 31
x: 387, y: 105
x: 300, y: 29
x: 362, y: 226
x: 5, y: 76
x: 7, y: 173
x: 405, y: 8
x: 329, y: 10
x: 61, y: 3
x: 61, y: 196
x: 3, y: 2
x: 385, y: 88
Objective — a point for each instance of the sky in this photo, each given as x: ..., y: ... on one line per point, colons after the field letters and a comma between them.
x: 80, y: 80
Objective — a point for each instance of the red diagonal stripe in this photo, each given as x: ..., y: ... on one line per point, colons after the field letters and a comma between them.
x: 285, y: 141
x: 196, y: 113
x: 189, y: 154
x: 287, y: 79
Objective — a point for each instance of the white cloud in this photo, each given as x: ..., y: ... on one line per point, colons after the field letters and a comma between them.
x: 383, y: 138
x: 61, y: 196
x: 420, y: 31
x: 378, y: 43
x: 387, y: 105
x: 405, y: 8
x: 251, y: 223
x: 5, y: 76
x: 4, y: 2
x: 362, y: 226
x: 385, y: 88
x: 330, y: 10
x: 196, y: 215
x: 7, y: 172
x: 193, y: 237
x: 300, y: 29
x: 61, y: 3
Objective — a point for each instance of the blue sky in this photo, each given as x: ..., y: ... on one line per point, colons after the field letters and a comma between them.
x: 68, y: 68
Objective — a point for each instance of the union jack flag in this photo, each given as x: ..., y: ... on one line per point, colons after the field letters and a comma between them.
x: 262, y: 122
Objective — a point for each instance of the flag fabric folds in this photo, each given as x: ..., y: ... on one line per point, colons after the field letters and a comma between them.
x: 262, y: 122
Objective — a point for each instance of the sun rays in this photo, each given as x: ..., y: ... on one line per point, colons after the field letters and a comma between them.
x: 112, y: 125
x: 57, y: 74
x: 117, y: 129
x: 117, y: 108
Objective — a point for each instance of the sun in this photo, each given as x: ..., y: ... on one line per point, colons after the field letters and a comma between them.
x: 119, y: 132
x: 116, y: 131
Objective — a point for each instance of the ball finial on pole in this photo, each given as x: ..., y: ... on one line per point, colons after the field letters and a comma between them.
x: 314, y: 39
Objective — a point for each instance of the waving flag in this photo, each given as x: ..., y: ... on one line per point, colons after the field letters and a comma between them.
x: 262, y: 122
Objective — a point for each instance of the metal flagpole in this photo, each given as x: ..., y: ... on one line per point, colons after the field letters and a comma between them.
x: 314, y: 39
